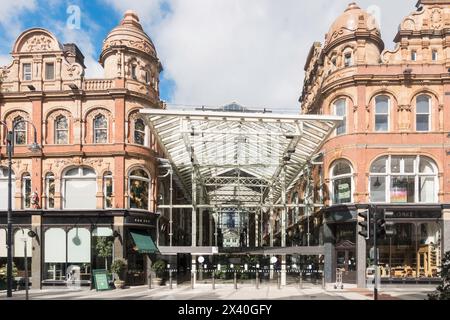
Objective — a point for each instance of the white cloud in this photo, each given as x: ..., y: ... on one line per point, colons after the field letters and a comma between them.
x: 249, y: 51
x: 9, y: 13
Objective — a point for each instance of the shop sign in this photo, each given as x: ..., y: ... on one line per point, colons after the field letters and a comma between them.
x: 139, y: 221
x: 410, y: 214
x: 101, y: 282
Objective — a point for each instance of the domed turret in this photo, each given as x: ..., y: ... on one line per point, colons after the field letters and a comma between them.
x: 128, y: 52
x: 353, y: 25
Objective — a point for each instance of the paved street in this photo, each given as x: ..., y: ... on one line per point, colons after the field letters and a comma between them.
x: 227, y: 292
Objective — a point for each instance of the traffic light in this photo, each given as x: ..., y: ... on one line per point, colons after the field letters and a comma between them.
x: 385, y: 227
x: 365, y: 225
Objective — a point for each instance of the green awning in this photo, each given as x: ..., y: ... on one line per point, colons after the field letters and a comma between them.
x: 143, y: 242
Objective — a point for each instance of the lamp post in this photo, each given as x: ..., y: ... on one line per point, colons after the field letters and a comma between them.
x: 34, y: 147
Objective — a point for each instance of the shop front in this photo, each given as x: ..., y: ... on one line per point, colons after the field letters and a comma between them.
x: 414, y: 252
x: 140, y: 247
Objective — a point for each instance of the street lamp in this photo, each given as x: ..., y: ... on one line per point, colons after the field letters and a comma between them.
x: 34, y: 147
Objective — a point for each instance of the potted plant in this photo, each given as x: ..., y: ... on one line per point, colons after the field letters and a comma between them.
x: 159, y: 267
x: 118, y: 268
x: 3, y: 276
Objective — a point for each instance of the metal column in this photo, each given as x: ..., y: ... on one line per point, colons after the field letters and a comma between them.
x: 283, y: 225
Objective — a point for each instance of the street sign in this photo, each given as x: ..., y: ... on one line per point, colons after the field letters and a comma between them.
x: 101, y: 282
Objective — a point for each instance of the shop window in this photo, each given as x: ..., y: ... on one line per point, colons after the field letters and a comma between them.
x: 108, y: 190
x: 100, y: 129
x: 67, y: 251
x: 340, y: 109
x: 50, y: 190
x: 423, y: 111
x: 20, y: 236
x: 3, y: 249
x: 26, y: 191
x: 403, y: 179
x: 61, y: 130
x: 341, y: 180
x: 27, y: 73
x: 55, y: 249
x: 20, y: 131
x: 103, y: 246
x: 139, y: 132
x: 413, y: 252
x: 139, y: 187
x: 382, y: 108
x: 80, y: 189
x: 4, y: 188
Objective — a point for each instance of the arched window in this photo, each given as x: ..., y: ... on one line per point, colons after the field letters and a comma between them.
x: 348, y: 60
x: 4, y: 188
x: 50, y: 190
x: 139, y: 132
x: 26, y: 191
x: 423, y: 112
x: 342, y: 181
x: 382, y: 107
x: 403, y: 179
x: 20, y: 131
x: 100, y: 129
x: 108, y: 190
x: 80, y: 189
x: 340, y: 109
x: 139, y: 187
x: 61, y: 130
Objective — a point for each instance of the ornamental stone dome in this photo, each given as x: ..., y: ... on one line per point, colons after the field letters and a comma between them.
x: 129, y: 34
x: 354, y: 20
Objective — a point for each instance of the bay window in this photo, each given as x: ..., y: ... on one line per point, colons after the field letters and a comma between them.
x: 4, y: 188
x: 403, y: 179
x: 80, y: 189
x: 139, y: 187
x: 342, y: 181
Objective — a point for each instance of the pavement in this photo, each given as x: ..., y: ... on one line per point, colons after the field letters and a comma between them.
x: 227, y: 292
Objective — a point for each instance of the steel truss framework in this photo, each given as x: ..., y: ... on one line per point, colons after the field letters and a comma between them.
x: 247, y: 161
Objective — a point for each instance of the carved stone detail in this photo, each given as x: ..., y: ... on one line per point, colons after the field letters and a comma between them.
x: 38, y: 43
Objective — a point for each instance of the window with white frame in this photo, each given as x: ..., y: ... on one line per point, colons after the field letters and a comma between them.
x: 4, y: 188
x: 342, y: 182
x: 100, y: 129
x: 108, y: 190
x: 423, y: 112
x: 340, y: 109
x: 27, y: 72
x: 49, y: 71
x: 139, y: 186
x: 403, y: 179
x: 50, y: 190
x: 434, y: 55
x: 26, y: 191
x: 61, y: 130
x: 348, y: 60
x: 382, y: 108
x: 20, y: 131
x: 80, y: 189
x: 139, y: 132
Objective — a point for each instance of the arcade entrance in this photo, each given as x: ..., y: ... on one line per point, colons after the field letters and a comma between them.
x: 237, y: 169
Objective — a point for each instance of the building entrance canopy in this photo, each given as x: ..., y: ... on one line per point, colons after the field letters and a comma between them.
x: 238, y: 159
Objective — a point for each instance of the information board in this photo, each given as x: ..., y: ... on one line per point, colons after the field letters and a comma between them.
x: 101, y: 282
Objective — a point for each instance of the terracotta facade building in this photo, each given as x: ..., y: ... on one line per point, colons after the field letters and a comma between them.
x: 97, y: 172
x: 392, y: 150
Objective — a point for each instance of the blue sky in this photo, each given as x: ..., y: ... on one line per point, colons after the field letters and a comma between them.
x: 213, y: 51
